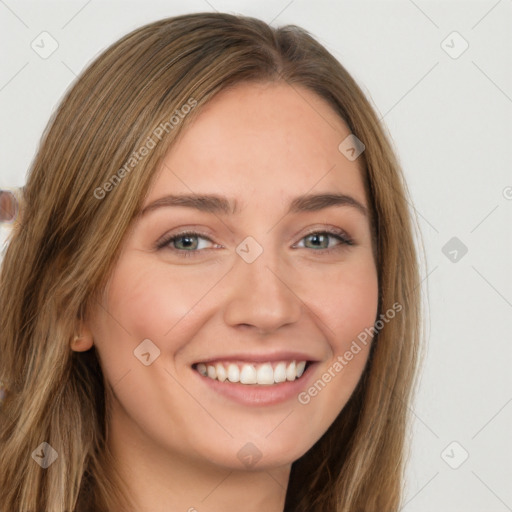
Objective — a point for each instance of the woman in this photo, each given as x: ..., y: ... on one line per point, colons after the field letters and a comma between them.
x: 212, y: 297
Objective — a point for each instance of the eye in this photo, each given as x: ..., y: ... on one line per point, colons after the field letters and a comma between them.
x: 322, y: 240
x: 187, y: 244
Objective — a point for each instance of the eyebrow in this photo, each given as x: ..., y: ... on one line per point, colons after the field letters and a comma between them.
x: 212, y: 203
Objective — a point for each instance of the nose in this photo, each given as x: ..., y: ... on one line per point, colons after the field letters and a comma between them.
x: 261, y: 295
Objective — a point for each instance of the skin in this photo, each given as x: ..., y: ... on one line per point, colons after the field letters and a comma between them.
x: 7, y: 206
x: 175, y: 439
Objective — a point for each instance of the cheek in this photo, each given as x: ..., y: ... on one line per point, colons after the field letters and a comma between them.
x: 356, y: 311
x: 149, y: 301
x: 347, y: 305
x: 346, y: 302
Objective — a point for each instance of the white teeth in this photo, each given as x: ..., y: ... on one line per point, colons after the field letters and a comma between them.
x: 233, y: 373
x: 247, y: 373
x: 212, y: 373
x: 201, y: 368
x: 291, y: 371
x: 221, y: 372
x: 280, y: 372
x: 265, y: 374
x: 300, y: 368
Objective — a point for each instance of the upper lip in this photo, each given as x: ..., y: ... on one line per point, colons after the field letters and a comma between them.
x: 261, y: 357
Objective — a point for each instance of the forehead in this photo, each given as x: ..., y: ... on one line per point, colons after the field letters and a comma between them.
x: 272, y: 137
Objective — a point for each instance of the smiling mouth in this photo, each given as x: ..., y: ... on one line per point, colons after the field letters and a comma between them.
x: 253, y: 373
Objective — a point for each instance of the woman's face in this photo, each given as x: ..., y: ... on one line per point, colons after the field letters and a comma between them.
x: 255, y: 294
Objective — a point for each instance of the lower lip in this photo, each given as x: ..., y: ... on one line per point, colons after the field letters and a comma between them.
x: 254, y: 394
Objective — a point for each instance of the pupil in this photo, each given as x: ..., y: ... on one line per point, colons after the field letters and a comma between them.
x: 188, y: 241
x: 317, y: 238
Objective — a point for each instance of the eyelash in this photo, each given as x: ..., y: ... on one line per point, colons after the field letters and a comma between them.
x: 336, y: 233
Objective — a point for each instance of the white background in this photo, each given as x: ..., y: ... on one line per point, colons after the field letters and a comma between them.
x: 450, y: 120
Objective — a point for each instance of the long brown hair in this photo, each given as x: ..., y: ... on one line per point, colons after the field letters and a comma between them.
x: 77, y: 207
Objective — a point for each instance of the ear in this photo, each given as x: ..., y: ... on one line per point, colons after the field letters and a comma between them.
x: 84, y: 341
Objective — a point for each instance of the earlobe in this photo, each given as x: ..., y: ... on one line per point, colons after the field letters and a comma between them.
x: 84, y: 341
